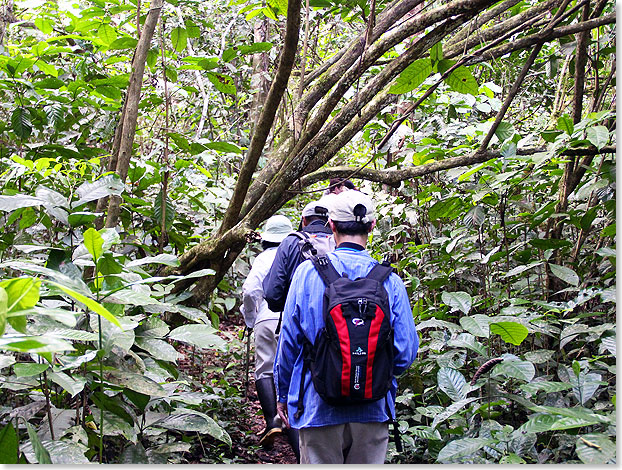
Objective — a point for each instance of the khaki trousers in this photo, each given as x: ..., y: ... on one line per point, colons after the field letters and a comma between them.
x: 344, y: 443
x: 265, y: 348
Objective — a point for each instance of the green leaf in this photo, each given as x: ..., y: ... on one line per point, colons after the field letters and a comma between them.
x: 565, y: 274
x: 78, y: 219
x: 549, y: 243
x: 412, y: 76
x: 158, y: 349
x: 4, y: 309
x: 194, y: 421
x: 456, y: 450
x: 44, y: 25
x: 515, y: 368
x: 564, y: 123
x: 164, y: 258
x: 255, y: 48
x: 113, y: 405
x: 193, y: 30
x: 202, y: 336
x: 462, y: 81
x: 106, y: 33
x: 598, y: 136
x: 596, y: 449
x: 539, y: 423
x: 9, y: 449
x: 41, y: 454
x: 135, y: 382
x: 20, y: 123
x: 458, y: 301
x: 547, y: 387
x: 122, y: 43
x: 609, y: 231
x: 179, y: 38
x: 451, y: 410
x: 106, y: 185
x: 94, y: 243
x: 436, y: 52
x: 452, y: 383
x: 505, y: 131
x: 29, y: 369
x: 72, y: 385
x: 90, y: 303
x: 510, y: 332
x: 223, y: 83
x: 477, y: 325
x: 22, y: 294
x: 224, y: 147
x: 450, y: 208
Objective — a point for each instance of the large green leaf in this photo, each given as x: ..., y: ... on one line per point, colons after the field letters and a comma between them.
x: 22, y: 294
x: 547, y: 387
x: 4, y: 309
x: 223, y: 83
x: 585, y: 385
x: 29, y: 369
x: 510, y: 332
x: 104, y: 186
x: 515, y: 368
x: 462, y: 81
x: 135, y: 382
x: 202, y: 336
x: 539, y: 423
x: 453, y: 383
x: 90, y: 303
x: 598, y: 136
x: 94, y: 243
x: 564, y: 123
x: 477, y: 325
x: 451, y: 410
x: 194, y: 421
x: 9, y: 449
x: 456, y: 450
x: 596, y: 449
x: 40, y: 452
x: 21, y: 123
x: 34, y: 344
x: 11, y: 203
x: 72, y: 385
x: 565, y: 274
x: 412, y: 76
x: 458, y: 301
x: 224, y: 147
x: 164, y: 258
x: 158, y: 349
x: 467, y: 340
x: 179, y: 38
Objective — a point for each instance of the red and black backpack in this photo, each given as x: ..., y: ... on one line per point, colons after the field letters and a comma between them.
x: 351, y: 359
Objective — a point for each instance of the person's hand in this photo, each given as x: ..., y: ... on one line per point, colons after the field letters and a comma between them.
x: 281, y: 409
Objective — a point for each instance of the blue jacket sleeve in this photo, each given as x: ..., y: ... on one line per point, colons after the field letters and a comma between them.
x: 406, y: 340
x: 276, y: 283
x: 289, y: 345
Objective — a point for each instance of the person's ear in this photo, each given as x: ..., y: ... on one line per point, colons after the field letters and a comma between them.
x: 331, y: 224
x: 373, y: 224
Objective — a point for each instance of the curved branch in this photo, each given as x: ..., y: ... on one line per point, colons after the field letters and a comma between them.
x: 538, y: 38
x: 393, y: 177
x: 266, y: 119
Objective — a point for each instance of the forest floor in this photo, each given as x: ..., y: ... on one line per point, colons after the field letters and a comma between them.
x: 246, y: 423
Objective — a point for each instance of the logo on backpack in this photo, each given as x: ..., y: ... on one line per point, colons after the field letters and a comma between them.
x: 359, y: 352
x: 358, y: 321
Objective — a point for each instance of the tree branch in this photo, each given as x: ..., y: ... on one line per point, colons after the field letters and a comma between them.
x: 266, y: 119
x: 394, y: 177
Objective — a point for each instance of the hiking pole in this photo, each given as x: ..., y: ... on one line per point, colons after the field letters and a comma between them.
x: 248, y: 360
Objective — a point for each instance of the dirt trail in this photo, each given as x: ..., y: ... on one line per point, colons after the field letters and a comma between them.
x: 247, y: 424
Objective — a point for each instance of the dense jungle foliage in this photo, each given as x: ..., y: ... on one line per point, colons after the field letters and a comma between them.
x: 142, y: 144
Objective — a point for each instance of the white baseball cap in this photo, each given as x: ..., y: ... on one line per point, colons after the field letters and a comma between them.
x: 320, y: 207
x: 352, y: 206
x: 276, y: 229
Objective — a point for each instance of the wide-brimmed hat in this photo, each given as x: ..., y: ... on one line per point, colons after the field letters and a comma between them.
x: 276, y: 229
x: 352, y: 206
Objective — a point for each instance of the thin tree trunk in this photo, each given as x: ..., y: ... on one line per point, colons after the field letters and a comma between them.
x: 132, y: 99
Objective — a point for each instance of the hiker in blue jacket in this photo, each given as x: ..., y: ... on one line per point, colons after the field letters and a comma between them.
x: 288, y: 256
x: 339, y: 434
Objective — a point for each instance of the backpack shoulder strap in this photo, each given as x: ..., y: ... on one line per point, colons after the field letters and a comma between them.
x: 380, y: 272
x: 300, y: 235
x: 325, y: 269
